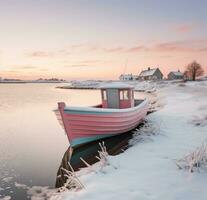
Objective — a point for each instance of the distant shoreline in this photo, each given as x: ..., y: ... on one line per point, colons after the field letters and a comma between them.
x: 24, y: 82
x: 90, y: 88
x: 77, y: 87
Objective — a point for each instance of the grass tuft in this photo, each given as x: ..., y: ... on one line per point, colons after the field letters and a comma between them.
x: 195, y: 161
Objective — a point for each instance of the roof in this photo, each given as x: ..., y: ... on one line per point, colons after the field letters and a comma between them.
x: 147, y: 72
x: 126, y: 75
x: 177, y: 73
x: 115, y: 85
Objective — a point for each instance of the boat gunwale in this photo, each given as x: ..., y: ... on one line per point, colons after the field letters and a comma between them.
x: 95, y: 110
x: 116, y: 119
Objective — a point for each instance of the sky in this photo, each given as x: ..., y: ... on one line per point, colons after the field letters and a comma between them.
x: 100, y: 39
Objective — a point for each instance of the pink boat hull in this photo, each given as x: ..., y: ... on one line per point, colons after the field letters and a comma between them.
x: 84, y: 125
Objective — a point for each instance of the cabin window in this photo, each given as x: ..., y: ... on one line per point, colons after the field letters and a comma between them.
x: 124, y: 95
x: 104, y: 95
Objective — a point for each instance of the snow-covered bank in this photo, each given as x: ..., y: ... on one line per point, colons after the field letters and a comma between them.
x: 141, y: 86
x: 92, y: 84
x: 89, y: 84
x: 148, y: 170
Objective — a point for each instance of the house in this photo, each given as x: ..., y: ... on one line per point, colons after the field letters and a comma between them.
x: 175, y: 75
x: 151, y: 74
x: 135, y: 77
x: 126, y: 77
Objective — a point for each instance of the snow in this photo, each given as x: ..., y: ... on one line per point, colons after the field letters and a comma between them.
x: 7, y: 179
x: 37, y: 192
x: 148, y: 169
x: 86, y: 84
x: 19, y: 185
x: 92, y: 84
x: 5, y: 198
x: 114, y: 85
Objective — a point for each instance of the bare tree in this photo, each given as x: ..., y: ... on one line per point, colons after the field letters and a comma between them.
x: 194, y: 70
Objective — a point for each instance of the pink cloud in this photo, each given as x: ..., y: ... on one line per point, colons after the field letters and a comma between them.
x: 41, y: 54
x: 90, y: 61
x: 85, y: 63
x: 184, y: 28
x: 181, y: 46
x: 172, y: 46
x: 137, y: 49
x: 112, y: 50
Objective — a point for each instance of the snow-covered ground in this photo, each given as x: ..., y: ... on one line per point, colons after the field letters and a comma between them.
x: 148, y: 170
x: 148, y: 86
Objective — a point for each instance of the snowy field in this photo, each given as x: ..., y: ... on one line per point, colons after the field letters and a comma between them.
x: 148, y: 86
x: 148, y: 170
x: 164, y: 162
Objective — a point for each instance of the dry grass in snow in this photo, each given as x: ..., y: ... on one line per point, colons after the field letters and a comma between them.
x: 200, y: 120
x: 142, y: 134
x: 195, y: 161
x: 103, y: 161
x: 73, y: 182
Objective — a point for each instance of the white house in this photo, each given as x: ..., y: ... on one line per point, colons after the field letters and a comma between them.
x: 151, y: 74
x: 126, y: 77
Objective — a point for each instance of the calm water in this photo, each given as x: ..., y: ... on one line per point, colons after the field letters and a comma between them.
x: 32, y: 143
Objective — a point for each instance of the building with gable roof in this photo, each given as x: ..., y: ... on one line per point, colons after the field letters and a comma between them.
x: 175, y: 75
x: 151, y: 74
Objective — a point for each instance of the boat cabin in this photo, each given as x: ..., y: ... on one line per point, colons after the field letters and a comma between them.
x: 117, y: 95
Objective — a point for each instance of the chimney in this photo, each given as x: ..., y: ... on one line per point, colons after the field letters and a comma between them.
x: 148, y: 68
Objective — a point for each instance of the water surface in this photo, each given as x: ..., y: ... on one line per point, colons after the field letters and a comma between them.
x: 32, y: 143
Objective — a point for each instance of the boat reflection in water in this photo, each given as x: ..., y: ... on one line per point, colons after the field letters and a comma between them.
x: 114, y: 145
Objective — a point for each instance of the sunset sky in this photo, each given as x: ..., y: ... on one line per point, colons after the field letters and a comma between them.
x: 93, y: 39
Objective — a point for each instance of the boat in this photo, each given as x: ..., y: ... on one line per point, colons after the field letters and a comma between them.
x: 89, y: 152
x: 118, y: 113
